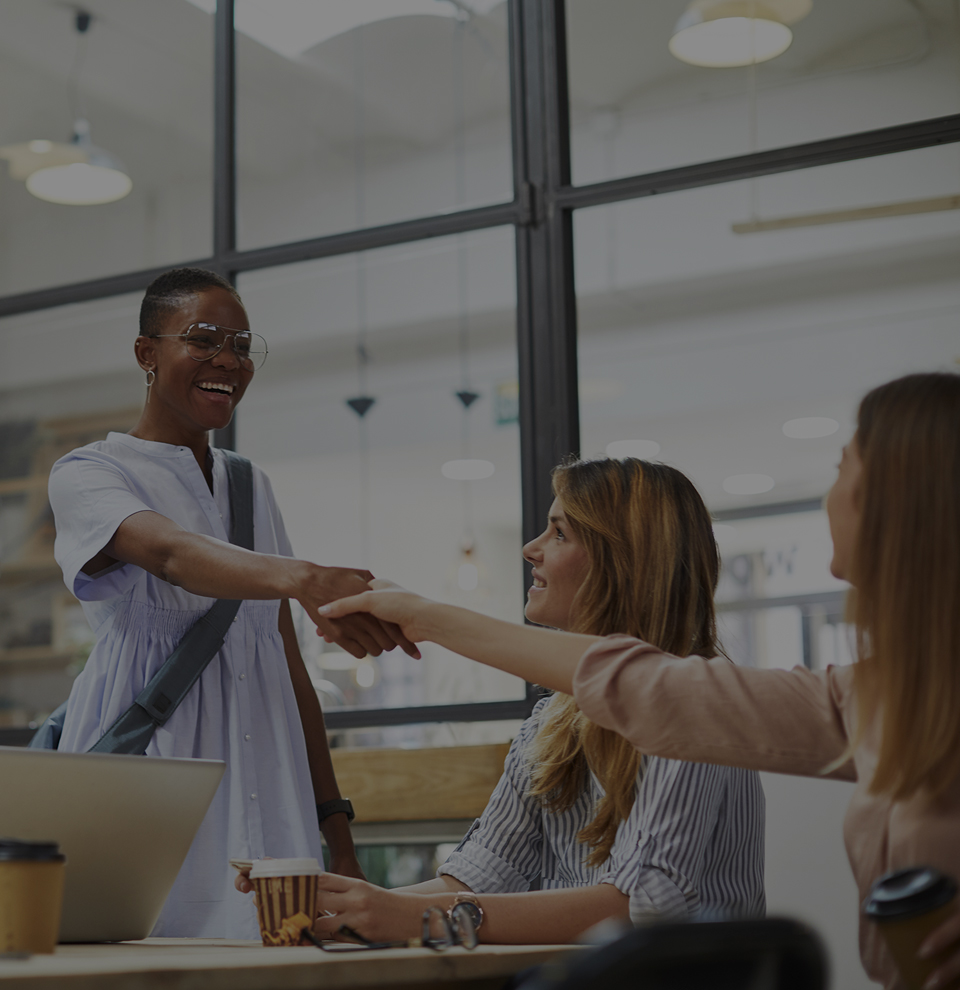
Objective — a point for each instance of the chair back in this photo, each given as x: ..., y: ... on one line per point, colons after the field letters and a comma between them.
x: 763, y: 954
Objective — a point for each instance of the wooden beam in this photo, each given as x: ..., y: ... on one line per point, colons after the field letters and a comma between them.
x: 936, y: 204
x: 396, y: 785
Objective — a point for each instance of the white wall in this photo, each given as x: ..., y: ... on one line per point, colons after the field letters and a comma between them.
x: 807, y: 873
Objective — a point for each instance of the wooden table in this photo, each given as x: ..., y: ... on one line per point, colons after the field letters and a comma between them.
x: 222, y: 964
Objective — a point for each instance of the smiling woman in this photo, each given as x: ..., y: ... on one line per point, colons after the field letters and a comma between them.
x: 608, y: 833
x: 142, y: 521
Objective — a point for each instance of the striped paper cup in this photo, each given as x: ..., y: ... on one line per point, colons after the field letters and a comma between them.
x: 286, y: 898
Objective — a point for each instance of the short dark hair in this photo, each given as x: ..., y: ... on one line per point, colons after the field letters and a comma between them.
x: 168, y: 291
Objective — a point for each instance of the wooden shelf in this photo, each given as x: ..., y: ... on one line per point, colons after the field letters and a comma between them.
x: 37, y: 654
x: 18, y: 572
x: 394, y: 785
x: 16, y: 486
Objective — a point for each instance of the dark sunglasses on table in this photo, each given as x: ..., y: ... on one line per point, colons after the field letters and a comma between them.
x: 205, y: 340
x: 440, y: 930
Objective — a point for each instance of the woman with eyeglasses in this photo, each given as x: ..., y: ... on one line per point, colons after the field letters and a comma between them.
x: 603, y: 831
x: 143, y: 522
x: 889, y: 722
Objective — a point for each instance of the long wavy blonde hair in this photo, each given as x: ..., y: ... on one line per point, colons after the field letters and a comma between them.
x: 652, y: 572
x: 906, y: 571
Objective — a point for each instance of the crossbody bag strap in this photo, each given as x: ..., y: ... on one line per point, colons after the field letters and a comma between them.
x: 164, y: 692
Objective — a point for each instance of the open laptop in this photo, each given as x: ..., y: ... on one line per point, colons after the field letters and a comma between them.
x: 125, y: 824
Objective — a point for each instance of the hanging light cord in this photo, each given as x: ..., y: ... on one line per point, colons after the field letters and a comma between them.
x: 82, y: 24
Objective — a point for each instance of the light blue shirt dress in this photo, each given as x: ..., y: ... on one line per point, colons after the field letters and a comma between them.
x: 242, y: 710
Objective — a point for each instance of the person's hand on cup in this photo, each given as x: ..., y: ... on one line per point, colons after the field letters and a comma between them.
x: 941, y: 939
x: 242, y: 880
x: 346, y: 906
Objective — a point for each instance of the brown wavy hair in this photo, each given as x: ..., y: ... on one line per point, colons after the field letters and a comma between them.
x: 905, y: 568
x: 652, y: 572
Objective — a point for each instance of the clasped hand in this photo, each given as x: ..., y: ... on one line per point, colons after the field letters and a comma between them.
x: 385, y: 601
x: 359, y: 633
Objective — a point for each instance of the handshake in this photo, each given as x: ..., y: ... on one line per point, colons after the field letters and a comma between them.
x: 359, y: 613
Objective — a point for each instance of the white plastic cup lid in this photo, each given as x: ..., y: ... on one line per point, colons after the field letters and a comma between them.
x: 304, y: 867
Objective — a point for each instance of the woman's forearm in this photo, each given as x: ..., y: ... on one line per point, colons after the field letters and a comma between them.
x: 543, y: 656
x: 549, y: 916
x: 533, y: 918
x: 335, y: 828
x: 201, y: 564
x: 205, y: 566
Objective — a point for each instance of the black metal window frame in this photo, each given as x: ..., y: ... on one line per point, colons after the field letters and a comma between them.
x: 541, y: 212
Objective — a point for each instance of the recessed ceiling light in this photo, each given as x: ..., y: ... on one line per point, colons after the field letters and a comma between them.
x: 644, y: 449
x: 747, y: 484
x: 810, y: 426
x: 467, y: 470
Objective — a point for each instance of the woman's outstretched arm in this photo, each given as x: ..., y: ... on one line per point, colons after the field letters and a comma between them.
x: 209, y: 567
x: 335, y: 827
x: 696, y: 709
x: 542, y: 656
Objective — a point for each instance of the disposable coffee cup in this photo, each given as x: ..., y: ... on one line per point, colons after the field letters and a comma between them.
x: 286, y: 898
x: 907, y: 906
x: 31, y: 895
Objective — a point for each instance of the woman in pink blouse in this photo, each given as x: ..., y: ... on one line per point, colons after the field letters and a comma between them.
x: 891, y: 722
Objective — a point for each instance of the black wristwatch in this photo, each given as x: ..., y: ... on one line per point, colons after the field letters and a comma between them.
x: 328, y: 808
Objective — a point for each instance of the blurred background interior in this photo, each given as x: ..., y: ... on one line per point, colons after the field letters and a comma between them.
x: 446, y: 207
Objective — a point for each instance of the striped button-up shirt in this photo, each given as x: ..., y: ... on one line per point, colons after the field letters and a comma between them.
x: 692, y: 844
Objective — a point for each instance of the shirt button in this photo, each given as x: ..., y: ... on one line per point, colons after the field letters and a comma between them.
x: 242, y: 676
x: 253, y: 797
x: 235, y: 618
x: 247, y: 737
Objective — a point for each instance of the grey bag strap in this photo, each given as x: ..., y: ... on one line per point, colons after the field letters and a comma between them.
x: 134, y: 729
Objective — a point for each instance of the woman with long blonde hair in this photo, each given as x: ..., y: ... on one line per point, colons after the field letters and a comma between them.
x: 890, y: 722
x: 602, y: 830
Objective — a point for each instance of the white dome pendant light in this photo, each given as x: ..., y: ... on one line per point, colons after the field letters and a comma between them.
x: 74, y: 174
x: 97, y: 178
x: 722, y: 34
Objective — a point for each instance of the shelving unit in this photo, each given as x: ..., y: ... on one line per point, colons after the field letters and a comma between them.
x: 43, y: 637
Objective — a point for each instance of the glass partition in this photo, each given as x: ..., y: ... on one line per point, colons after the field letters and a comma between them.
x: 359, y: 114
x: 137, y: 83
x: 738, y: 352
x: 853, y: 65
x: 391, y: 379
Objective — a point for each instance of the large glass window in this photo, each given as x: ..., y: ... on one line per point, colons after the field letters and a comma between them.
x: 380, y: 487
x: 853, y: 65
x: 137, y: 81
x: 355, y: 114
x: 738, y: 350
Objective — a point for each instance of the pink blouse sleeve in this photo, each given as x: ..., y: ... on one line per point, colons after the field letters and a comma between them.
x: 711, y: 711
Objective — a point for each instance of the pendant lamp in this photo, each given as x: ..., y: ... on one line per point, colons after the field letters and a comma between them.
x: 74, y: 174
x: 94, y: 177
x: 721, y: 34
